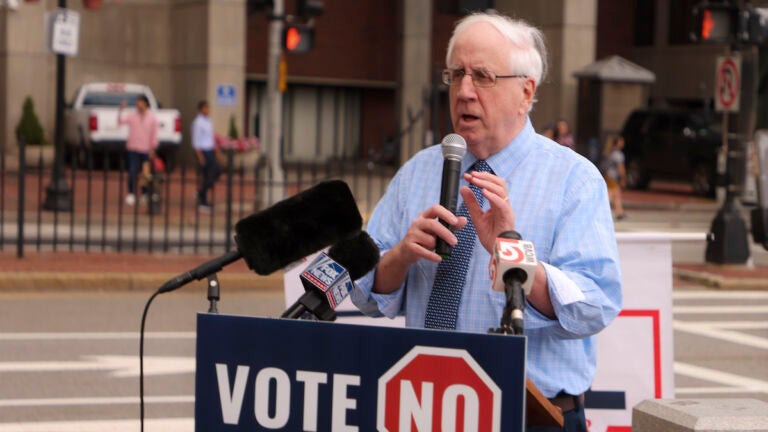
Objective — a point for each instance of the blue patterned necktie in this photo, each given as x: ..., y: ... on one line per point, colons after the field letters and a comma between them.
x: 443, y: 305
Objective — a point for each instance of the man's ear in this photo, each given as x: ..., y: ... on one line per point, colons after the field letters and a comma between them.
x: 529, y: 93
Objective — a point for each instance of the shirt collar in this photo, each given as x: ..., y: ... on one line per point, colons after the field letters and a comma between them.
x: 504, y: 162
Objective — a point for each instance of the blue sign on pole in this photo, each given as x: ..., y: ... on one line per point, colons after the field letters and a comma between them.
x: 257, y: 374
x: 226, y: 95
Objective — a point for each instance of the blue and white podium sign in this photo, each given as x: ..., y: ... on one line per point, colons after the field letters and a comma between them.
x: 258, y: 374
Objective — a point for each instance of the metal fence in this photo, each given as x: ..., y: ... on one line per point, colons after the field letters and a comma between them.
x: 98, y: 218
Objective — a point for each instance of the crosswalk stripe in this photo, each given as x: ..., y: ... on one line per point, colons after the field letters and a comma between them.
x: 95, y: 336
x: 719, y: 295
x: 750, y: 309
x: 713, y: 375
x: 151, y: 425
x: 128, y: 400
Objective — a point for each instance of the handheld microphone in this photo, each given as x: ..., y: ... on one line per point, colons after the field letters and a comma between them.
x: 454, y: 147
x: 288, y: 231
x: 512, y: 270
x: 330, y: 277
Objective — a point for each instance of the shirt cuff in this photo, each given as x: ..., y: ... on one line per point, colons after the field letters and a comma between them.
x: 562, y: 290
x: 373, y: 304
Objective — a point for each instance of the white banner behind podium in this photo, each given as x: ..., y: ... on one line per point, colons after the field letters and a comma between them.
x: 634, y: 355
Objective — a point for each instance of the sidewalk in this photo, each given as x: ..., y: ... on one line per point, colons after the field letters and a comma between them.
x: 726, y: 277
x: 143, y: 272
x: 667, y: 196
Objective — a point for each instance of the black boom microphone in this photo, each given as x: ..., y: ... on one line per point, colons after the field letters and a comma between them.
x: 288, y: 231
x: 330, y: 277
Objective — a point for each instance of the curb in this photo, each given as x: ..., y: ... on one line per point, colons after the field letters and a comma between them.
x: 721, y: 282
x: 670, y: 206
x: 130, y: 282
x: 271, y: 284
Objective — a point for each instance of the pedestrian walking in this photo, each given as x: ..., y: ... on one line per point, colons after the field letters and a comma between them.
x: 615, y: 172
x: 141, y: 143
x: 205, y: 147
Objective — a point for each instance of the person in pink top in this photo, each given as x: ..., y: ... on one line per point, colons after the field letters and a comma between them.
x: 141, y: 144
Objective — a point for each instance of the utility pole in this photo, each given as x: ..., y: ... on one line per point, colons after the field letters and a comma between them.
x: 58, y: 194
x: 275, y: 178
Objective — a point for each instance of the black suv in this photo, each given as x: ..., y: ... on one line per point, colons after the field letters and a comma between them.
x: 673, y: 145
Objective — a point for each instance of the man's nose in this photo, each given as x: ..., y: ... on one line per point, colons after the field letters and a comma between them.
x: 466, y: 87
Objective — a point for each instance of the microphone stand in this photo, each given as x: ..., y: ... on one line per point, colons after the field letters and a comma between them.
x: 213, y: 292
x: 512, y: 315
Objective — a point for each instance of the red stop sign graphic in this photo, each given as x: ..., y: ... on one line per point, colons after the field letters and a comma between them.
x: 438, y: 389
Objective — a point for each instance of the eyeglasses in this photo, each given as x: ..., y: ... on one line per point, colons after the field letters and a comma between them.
x: 480, y: 77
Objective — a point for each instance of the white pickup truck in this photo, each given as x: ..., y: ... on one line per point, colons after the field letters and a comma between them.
x: 91, y: 122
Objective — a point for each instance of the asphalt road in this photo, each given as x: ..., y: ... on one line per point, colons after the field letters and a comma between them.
x: 70, y: 363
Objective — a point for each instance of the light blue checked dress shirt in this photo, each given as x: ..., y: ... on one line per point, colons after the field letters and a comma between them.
x: 561, y: 205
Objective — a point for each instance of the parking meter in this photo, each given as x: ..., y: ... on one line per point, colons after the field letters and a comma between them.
x: 760, y: 214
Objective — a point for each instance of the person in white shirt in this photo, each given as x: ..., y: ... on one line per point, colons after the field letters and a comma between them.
x: 204, y: 144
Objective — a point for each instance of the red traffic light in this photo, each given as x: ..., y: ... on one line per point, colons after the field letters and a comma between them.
x: 715, y: 22
x: 707, y: 24
x: 298, y: 39
x: 292, y: 38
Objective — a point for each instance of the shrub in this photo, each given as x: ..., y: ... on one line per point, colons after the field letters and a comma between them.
x: 29, y: 127
x: 233, y: 127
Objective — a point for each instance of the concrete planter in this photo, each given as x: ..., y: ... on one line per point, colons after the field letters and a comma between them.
x: 38, y: 156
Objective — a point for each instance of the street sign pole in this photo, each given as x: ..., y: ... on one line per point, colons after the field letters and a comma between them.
x: 58, y: 194
x: 728, y: 240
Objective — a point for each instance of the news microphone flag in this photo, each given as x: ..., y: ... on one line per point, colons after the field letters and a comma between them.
x: 328, y: 276
x: 511, y: 254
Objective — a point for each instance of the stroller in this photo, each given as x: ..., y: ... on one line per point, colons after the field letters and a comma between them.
x: 152, y: 177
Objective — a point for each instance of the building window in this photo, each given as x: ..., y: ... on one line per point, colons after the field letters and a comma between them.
x: 319, y: 123
x: 645, y: 22
x: 681, y: 21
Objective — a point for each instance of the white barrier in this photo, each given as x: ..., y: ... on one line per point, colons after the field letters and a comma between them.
x: 634, y: 354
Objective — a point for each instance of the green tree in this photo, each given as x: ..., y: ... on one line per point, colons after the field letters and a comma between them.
x: 29, y: 127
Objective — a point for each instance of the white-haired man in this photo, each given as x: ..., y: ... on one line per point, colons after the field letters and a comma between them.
x: 525, y: 182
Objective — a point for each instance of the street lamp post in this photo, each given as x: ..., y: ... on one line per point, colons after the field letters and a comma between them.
x: 58, y: 194
x: 276, y: 178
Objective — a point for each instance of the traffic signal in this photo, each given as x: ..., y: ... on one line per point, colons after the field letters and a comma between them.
x: 716, y: 22
x: 728, y: 23
x: 298, y: 38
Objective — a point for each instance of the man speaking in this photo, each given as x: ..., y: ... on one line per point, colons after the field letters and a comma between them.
x: 513, y: 179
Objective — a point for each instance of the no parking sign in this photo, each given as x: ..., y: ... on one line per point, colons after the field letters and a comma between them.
x: 727, y: 84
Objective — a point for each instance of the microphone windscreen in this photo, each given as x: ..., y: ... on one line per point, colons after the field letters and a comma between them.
x: 358, y: 254
x: 297, y: 226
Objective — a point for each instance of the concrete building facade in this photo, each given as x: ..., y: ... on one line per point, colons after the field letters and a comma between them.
x: 370, y: 87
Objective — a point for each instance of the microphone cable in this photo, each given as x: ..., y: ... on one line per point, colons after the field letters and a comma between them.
x: 141, y: 358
